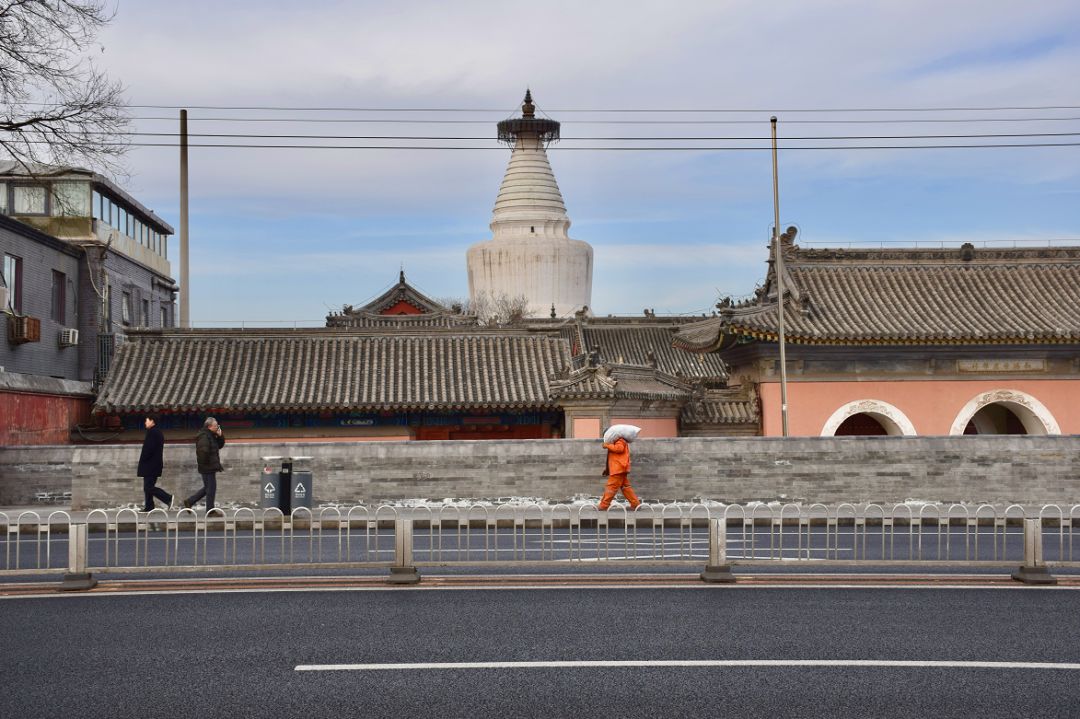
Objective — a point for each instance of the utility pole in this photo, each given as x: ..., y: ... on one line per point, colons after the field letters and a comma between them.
x: 779, y: 270
x: 185, y: 280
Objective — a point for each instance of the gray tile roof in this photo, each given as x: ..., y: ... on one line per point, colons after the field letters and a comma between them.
x: 619, y: 382
x: 722, y: 406
x: 326, y: 370
x: 943, y: 296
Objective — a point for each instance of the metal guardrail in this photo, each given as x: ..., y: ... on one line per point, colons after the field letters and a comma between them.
x: 405, y: 539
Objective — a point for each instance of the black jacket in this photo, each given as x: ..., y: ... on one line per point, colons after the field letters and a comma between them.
x: 207, y: 445
x: 150, y: 460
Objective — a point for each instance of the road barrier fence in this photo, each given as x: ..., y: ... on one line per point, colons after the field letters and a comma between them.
x: 405, y: 539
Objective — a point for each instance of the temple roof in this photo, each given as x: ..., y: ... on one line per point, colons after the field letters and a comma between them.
x: 403, y: 307
x: 403, y: 367
x: 912, y: 296
x: 326, y: 370
x: 619, y: 381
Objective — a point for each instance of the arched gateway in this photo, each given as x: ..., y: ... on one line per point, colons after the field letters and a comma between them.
x: 867, y: 416
x: 1005, y: 411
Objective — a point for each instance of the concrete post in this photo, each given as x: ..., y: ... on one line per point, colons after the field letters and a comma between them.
x: 718, y: 571
x: 77, y: 578
x: 403, y: 571
x: 1034, y: 570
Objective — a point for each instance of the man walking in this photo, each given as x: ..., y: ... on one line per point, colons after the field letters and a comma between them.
x: 207, y: 444
x: 150, y: 465
x: 618, y: 471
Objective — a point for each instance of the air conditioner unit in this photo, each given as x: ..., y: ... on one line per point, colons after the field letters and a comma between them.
x: 69, y: 337
x: 23, y: 329
x: 3, y: 299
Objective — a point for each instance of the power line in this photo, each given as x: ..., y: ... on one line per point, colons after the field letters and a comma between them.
x: 610, y: 139
x: 281, y: 108
x: 705, y: 148
x: 391, y: 121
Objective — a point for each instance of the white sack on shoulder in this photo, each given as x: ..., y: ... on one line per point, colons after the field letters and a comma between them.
x: 627, y: 431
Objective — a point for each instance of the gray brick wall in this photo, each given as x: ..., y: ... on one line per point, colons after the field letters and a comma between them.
x: 39, y: 259
x: 999, y: 469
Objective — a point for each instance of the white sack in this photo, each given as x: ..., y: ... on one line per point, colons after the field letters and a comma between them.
x: 627, y: 431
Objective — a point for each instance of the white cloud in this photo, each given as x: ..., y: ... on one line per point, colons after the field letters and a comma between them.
x: 692, y: 216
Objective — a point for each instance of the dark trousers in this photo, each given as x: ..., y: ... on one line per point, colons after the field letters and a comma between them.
x: 209, y: 490
x: 151, y: 490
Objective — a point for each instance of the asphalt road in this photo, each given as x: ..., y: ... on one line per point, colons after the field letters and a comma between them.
x: 236, y: 654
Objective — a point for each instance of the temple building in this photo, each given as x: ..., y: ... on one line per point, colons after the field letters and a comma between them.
x: 898, y: 341
x: 530, y: 253
x: 909, y: 341
x: 404, y: 367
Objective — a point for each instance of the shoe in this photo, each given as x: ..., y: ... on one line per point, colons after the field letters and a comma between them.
x: 187, y: 504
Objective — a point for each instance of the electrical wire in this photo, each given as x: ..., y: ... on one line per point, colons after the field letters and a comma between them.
x: 701, y: 148
x: 609, y: 139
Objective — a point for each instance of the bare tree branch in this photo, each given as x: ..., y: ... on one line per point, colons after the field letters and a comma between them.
x: 56, y: 106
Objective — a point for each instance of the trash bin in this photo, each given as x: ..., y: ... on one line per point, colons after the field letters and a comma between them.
x: 288, y: 487
x: 300, y: 493
x: 270, y: 485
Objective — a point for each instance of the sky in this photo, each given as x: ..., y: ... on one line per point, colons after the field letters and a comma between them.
x: 284, y: 236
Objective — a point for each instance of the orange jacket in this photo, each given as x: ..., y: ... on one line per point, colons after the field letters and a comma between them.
x: 618, y: 456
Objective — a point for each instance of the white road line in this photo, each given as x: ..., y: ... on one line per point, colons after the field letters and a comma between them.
x: 688, y: 663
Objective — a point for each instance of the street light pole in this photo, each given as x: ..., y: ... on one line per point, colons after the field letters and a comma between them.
x: 779, y: 269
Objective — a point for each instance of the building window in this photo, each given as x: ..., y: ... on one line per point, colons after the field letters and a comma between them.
x: 164, y: 316
x: 96, y: 203
x: 13, y: 281
x: 146, y: 313
x: 125, y: 308
x: 3, y: 198
x: 59, y: 298
x: 71, y: 199
x: 28, y: 200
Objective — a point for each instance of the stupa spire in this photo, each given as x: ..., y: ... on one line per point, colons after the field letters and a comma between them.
x: 531, y: 252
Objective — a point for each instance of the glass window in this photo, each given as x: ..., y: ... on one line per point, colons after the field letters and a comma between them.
x: 125, y: 308
x: 146, y: 313
x: 59, y: 283
x: 164, y: 316
x: 71, y: 199
x: 109, y: 213
x: 28, y: 200
x: 165, y: 246
x: 95, y: 204
x: 13, y: 281
x: 121, y: 220
x: 3, y: 198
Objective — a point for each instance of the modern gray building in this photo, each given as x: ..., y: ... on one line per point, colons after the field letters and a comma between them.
x: 82, y: 263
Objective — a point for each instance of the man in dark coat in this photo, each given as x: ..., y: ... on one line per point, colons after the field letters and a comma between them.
x: 150, y: 464
x: 209, y: 440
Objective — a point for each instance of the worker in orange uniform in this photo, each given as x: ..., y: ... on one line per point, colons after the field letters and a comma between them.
x: 618, y: 474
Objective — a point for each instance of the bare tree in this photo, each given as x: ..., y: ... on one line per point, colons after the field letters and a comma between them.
x: 56, y: 106
x: 490, y: 309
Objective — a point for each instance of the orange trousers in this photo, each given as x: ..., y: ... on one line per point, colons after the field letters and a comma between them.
x: 615, y: 483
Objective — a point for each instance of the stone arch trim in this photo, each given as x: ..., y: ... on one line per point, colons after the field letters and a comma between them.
x: 894, y: 420
x: 1036, y: 417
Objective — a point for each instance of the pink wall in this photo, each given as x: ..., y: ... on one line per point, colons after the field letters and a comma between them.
x: 930, y: 405
x: 586, y: 428
x: 652, y: 428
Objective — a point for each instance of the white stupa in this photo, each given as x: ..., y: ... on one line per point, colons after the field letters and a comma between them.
x: 530, y: 252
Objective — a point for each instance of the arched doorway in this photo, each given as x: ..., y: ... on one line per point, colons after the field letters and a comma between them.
x: 995, y: 419
x: 1005, y: 412
x: 861, y: 425
x: 867, y: 417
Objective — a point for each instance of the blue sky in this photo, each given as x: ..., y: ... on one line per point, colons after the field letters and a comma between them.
x: 284, y: 236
